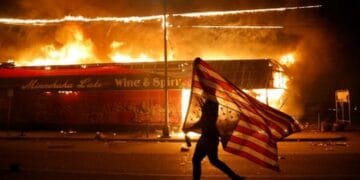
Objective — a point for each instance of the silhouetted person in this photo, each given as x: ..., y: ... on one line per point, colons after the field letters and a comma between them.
x: 208, y: 142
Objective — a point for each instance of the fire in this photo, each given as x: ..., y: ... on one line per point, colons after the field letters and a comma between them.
x: 185, y: 98
x: 42, y: 22
x: 246, y: 11
x: 76, y: 50
x: 275, y: 96
x: 280, y: 80
x: 271, y: 97
x: 236, y: 27
x: 117, y: 56
x: 287, y: 59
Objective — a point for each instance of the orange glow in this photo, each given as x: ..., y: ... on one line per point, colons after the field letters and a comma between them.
x: 287, y: 59
x: 76, y: 50
x: 68, y: 92
x: 271, y: 97
x: 185, y: 98
x: 42, y: 22
x: 117, y: 56
x: 245, y: 11
x: 280, y: 80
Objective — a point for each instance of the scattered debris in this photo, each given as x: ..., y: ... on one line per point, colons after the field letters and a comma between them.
x: 72, y: 132
x: 184, y: 148
x: 330, y: 146
x: 342, y: 144
x: 281, y: 157
x: 100, y: 136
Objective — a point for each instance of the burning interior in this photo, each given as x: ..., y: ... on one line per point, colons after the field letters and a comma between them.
x: 103, y: 71
x: 118, y: 95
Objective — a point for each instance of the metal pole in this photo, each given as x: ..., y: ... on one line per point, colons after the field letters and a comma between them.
x: 10, y: 95
x: 349, y: 109
x: 166, y: 133
x: 267, y: 96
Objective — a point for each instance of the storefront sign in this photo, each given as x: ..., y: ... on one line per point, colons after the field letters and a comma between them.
x: 131, y: 82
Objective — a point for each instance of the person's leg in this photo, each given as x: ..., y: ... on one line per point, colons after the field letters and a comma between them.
x: 198, y: 156
x: 214, y: 160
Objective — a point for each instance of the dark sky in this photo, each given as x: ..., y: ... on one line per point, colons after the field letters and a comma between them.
x: 328, y: 37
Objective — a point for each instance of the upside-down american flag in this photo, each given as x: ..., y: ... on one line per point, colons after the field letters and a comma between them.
x: 247, y: 127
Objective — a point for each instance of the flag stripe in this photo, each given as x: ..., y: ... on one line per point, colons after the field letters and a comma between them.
x: 246, y: 110
x: 254, y: 126
x: 252, y: 158
x: 212, y: 76
x: 256, y: 155
x: 255, y: 135
x: 254, y: 118
x: 263, y: 151
x: 212, y: 82
x: 258, y: 146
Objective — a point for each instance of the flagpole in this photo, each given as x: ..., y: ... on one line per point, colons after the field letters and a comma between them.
x: 165, y: 132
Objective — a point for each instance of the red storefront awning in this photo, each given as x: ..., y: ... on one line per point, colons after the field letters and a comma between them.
x: 27, y: 72
x: 114, y: 77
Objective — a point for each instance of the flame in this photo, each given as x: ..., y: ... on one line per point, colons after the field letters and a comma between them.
x: 271, y: 97
x: 185, y: 98
x: 117, y: 56
x: 42, y: 22
x: 136, y: 19
x: 246, y: 11
x: 235, y: 27
x: 275, y: 97
x: 76, y: 50
x: 287, y: 59
x: 280, y: 80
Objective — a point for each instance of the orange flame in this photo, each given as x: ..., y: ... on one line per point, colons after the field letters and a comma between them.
x: 117, y: 56
x: 76, y: 50
x: 287, y: 59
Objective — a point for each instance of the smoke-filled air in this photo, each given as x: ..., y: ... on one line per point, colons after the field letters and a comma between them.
x: 97, y: 31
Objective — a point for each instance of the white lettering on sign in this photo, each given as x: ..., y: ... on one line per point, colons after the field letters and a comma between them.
x: 34, y: 84
x: 160, y: 83
x: 124, y: 82
x: 146, y: 82
x: 88, y: 83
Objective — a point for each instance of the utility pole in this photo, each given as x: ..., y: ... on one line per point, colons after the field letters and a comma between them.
x: 166, y: 133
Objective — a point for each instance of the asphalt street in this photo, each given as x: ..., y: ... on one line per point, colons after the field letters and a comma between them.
x: 57, y: 159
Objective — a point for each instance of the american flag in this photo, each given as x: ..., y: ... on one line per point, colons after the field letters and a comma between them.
x: 247, y: 127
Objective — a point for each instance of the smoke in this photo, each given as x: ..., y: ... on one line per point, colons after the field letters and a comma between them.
x: 184, y: 43
x: 310, y: 43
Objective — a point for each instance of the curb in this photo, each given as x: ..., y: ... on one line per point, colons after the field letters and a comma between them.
x: 289, y: 139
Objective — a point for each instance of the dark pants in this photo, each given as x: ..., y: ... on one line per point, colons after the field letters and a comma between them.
x: 209, y: 147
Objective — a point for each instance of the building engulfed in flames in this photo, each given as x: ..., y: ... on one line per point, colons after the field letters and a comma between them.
x: 120, y: 95
x: 68, y: 85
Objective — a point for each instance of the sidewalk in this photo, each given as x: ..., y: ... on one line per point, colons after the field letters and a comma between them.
x: 307, y: 135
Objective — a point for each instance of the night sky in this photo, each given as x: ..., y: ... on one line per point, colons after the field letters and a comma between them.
x: 327, y: 37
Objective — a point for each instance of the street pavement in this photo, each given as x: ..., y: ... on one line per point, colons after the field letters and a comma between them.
x: 307, y: 135
x: 309, y: 154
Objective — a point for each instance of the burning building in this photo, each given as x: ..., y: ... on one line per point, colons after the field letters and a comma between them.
x: 116, y: 95
x: 92, y: 72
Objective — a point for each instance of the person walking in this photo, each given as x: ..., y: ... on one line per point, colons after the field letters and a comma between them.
x: 208, y: 142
